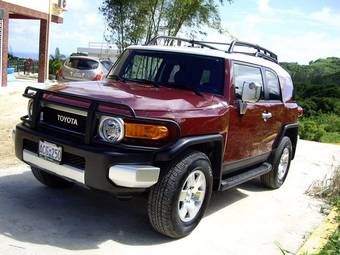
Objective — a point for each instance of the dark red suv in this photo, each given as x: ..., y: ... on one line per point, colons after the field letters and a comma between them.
x: 175, y: 118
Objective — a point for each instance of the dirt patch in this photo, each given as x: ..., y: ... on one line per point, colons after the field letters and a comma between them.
x: 12, y: 107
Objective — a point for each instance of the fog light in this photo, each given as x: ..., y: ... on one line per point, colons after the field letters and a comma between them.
x: 111, y: 129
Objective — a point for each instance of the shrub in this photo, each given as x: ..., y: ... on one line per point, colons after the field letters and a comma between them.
x: 310, y: 130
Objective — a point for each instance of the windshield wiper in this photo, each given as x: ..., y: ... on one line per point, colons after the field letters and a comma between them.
x: 116, y: 77
x: 194, y: 89
x: 155, y: 84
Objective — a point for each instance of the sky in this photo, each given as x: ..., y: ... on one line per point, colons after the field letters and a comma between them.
x: 296, y: 30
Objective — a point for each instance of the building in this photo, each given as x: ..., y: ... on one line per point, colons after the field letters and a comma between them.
x: 46, y: 11
x: 100, y: 50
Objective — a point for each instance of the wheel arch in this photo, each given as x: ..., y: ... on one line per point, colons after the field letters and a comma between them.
x: 211, y: 145
x: 291, y: 131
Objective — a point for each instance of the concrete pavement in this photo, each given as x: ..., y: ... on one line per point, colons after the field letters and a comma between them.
x: 245, y: 220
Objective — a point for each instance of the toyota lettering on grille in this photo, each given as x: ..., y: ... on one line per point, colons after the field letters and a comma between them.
x: 67, y: 120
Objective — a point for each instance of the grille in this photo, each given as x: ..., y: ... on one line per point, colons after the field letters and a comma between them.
x: 64, y: 120
x: 67, y: 158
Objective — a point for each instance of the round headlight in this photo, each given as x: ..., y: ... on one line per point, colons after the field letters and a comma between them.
x: 111, y: 129
x: 30, y: 108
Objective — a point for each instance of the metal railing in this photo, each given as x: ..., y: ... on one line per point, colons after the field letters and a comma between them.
x: 22, y: 66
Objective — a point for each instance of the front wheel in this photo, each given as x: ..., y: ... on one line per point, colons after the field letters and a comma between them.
x: 178, y: 201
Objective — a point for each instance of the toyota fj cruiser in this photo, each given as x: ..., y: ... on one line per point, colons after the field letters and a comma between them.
x: 175, y: 118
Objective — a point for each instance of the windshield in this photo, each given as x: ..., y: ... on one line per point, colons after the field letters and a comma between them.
x: 171, y: 69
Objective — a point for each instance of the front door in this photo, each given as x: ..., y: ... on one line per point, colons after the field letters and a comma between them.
x: 249, y: 136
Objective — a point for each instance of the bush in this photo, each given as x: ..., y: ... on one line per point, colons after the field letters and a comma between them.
x: 310, y: 130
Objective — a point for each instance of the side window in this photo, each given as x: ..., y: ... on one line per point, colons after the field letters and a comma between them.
x: 273, y: 86
x: 242, y: 74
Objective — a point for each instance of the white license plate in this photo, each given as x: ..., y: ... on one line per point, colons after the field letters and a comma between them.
x: 50, y: 151
x: 78, y: 75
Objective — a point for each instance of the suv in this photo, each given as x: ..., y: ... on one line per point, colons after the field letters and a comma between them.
x: 171, y: 121
x: 80, y: 68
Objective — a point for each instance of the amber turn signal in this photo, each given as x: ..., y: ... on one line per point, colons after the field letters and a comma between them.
x: 145, y: 131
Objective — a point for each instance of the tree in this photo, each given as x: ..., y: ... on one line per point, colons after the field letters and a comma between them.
x: 131, y: 21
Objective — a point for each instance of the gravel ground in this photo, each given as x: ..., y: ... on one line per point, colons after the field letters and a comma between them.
x: 12, y: 106
x: 244, y: 220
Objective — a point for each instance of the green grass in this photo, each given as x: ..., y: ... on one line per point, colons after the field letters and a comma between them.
x: 333, y: 245
x: 322, y: 127
x: 330, y: 137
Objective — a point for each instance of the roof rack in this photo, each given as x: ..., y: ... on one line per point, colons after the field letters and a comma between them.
x: 177, y: 41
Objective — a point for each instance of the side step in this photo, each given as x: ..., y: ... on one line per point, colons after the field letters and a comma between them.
x: 235, y: 180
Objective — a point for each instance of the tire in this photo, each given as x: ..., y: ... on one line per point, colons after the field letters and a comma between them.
x: 164, y: 198
x: 50, y: 180
x: 276, y: 177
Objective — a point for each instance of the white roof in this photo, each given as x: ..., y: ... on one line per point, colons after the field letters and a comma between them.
x: 216, y: 53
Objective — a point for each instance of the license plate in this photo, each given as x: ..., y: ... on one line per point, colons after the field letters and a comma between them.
x: 50, y: 151
x: 78, y: 75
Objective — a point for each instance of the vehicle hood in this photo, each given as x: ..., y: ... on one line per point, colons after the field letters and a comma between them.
x: 139, y: 96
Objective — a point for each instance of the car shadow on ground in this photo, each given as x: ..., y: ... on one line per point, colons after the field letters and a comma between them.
x: 78, y: 218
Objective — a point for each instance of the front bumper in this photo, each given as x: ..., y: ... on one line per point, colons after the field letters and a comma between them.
x: 108, y: 169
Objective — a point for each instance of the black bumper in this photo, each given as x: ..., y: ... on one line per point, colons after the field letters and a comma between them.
x: 94, y: 161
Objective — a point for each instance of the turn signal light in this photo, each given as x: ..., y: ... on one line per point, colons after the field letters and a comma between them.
x: 145, y: 131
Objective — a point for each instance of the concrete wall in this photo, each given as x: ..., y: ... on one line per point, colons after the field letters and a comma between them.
x: 38, y: 5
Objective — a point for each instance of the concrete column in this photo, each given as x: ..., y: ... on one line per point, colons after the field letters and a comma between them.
x: 43, y: 50
x: 4, y: 53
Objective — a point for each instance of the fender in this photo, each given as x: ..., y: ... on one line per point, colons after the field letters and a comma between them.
x: 290, y: 130
x: 198, y: 142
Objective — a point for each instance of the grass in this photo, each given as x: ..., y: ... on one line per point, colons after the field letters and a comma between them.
x: 331, y: 137
x: 333, y: 245
x: 329, y: 189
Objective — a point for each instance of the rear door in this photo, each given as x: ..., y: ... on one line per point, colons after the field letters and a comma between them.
x: 249, y: 135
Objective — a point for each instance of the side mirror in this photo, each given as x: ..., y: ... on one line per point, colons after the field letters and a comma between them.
x: 251, y: 93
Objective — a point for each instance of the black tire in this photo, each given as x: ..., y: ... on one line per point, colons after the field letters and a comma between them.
x: 164, y: 196
x: 272, y: 180
x: 50, y: 180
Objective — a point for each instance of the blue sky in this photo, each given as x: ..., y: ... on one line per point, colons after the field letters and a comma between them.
x: 297, y: 31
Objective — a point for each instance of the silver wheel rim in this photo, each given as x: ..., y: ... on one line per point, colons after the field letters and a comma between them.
x: 192, y: 195
x: 283, y: 164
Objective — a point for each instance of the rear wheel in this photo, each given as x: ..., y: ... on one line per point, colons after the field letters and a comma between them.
x: 50, y: 180
x: 178, y: 201
x: 281, y: 163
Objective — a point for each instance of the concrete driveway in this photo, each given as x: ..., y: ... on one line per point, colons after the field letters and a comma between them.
x: 245, y: 220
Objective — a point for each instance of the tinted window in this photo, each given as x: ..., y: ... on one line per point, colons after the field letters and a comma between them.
x: 183, y: 71
x: 273, y: 86
x: 107, y: 64
x: 82, y: 63
x: 243, y: 74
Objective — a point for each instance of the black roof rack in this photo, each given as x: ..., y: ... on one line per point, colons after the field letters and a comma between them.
x: 177, y: 41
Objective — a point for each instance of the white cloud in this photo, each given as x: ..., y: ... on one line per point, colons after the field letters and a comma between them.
x: 254, y: 20
x: 327, y: 17
x: 263, y: 6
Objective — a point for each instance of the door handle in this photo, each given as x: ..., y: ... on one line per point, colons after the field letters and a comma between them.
x: 266, y: 116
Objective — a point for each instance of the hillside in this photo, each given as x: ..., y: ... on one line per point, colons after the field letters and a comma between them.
x: 318, y: 92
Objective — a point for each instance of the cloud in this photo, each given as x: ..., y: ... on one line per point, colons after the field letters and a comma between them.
x: 263, y: 6
x: 254, y: 20
x: 327, y: 17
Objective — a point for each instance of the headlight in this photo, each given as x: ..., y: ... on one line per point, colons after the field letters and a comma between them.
x: 111, y: 129
x: 30, y: 108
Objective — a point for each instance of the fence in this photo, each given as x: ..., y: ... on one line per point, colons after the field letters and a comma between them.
x: 22, y: 65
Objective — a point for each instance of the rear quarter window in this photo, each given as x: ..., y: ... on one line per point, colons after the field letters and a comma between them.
x: 273, y: 85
